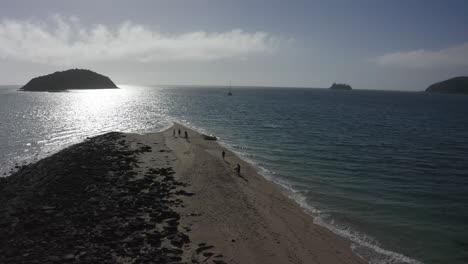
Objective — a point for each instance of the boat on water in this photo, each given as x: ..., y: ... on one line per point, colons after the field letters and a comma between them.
x: 229, y: 92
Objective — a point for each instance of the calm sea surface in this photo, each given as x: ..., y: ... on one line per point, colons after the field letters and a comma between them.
x: 387, y: 170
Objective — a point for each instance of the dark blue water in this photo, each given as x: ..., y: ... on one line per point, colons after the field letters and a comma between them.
x: 388, y: 170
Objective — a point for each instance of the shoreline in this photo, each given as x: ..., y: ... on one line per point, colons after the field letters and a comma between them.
x: 215, y: 216
x: 362, y: 247
x: 268, y: 199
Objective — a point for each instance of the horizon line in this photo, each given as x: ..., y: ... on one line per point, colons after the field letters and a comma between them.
x: 244, y: 86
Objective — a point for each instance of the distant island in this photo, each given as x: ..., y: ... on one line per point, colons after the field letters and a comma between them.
x: 69, y: 79
x: 453, y: 85
x: 340, y: 86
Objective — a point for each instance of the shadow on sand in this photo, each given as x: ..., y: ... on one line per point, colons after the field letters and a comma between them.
x: 242, y: 177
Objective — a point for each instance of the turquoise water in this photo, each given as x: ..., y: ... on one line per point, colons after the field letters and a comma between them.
x: 387, y: 170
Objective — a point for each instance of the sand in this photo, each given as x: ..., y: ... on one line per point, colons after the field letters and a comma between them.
x: 211, y: 214
x: 248, y: 218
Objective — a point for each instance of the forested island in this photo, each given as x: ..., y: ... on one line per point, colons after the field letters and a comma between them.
x: 69, y: 79
x: 458, y: 85
x: 340, y: 86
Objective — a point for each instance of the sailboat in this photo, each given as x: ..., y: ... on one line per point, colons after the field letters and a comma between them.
x: 229, y: 93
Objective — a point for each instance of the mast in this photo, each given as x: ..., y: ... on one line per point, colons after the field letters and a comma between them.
x: 229, y: 93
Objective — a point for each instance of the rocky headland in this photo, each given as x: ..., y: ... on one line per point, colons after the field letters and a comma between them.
x: 456, y: 85
x: 69, y: 79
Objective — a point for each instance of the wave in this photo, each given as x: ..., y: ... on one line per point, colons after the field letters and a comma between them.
x: 362, y: 245
x: 268, y: 125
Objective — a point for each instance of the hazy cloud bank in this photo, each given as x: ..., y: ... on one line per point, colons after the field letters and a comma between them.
x: 452, y: 57
x: 65, y: 41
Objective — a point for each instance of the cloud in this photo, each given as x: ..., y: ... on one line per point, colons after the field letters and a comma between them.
x: 65, y: 41
x: 452, y: 57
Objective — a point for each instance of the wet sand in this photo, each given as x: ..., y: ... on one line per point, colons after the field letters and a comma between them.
x: 155, y: 198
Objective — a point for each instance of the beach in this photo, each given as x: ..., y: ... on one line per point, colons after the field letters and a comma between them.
x: 155, y: 198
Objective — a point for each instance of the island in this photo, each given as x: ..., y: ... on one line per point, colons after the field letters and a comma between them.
x: 340, y: 86
x: 69, y: 79
x: 458, y: 85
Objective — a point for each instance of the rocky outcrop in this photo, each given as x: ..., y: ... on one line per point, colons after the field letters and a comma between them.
x: 340, y: 86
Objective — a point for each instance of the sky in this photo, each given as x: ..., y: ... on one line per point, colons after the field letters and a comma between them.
x: 370, y: 44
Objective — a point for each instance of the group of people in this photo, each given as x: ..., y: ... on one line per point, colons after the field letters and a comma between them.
x: 178, y: 131
x: 237, y: 169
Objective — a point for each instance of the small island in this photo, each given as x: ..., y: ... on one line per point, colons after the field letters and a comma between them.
x: 69, y: 79
x: 340, y: 86
x: 456, y: 85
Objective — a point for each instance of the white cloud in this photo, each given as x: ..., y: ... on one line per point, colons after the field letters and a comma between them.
x: 64, y: 41
x: 452, y: 57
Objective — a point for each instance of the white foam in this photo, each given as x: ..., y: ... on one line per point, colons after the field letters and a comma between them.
x: 270, y: 125
x: 362, y: 245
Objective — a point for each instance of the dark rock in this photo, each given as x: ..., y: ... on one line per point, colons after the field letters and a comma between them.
x: 208, y: 137
x: 179, y: 240
x: 69, y: 257
x: 182, y: 192
x: 203, y: 248
x: 52, y: 214
x: 340, y: 86
x: 54, y: 259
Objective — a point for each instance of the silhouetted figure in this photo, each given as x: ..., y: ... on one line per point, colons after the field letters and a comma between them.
x: 238, y: 169
x: 186, y: 135
x: 179, y: 132
x: 223, y: 154
x: 173, y: 132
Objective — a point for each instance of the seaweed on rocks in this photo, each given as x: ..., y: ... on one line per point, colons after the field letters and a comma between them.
x: 84, y: 205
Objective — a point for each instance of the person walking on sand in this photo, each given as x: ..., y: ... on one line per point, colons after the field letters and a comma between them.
x: 173, y: 132
x: 186, y: 135
x: 223, y: 154
x: 179, y: 132
x: 238, y: 169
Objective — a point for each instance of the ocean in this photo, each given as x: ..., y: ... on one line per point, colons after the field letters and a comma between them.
x: 387, y: 170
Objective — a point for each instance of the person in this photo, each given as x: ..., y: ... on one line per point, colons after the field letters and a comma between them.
x: 179, y: 132
x: 186, y: 135
x: 238, y: 169
x: 173, y: 132
x: 224, y: 154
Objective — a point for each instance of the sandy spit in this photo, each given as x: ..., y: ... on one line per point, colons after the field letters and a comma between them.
x: 248, y: 218
x: 155, y: 198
